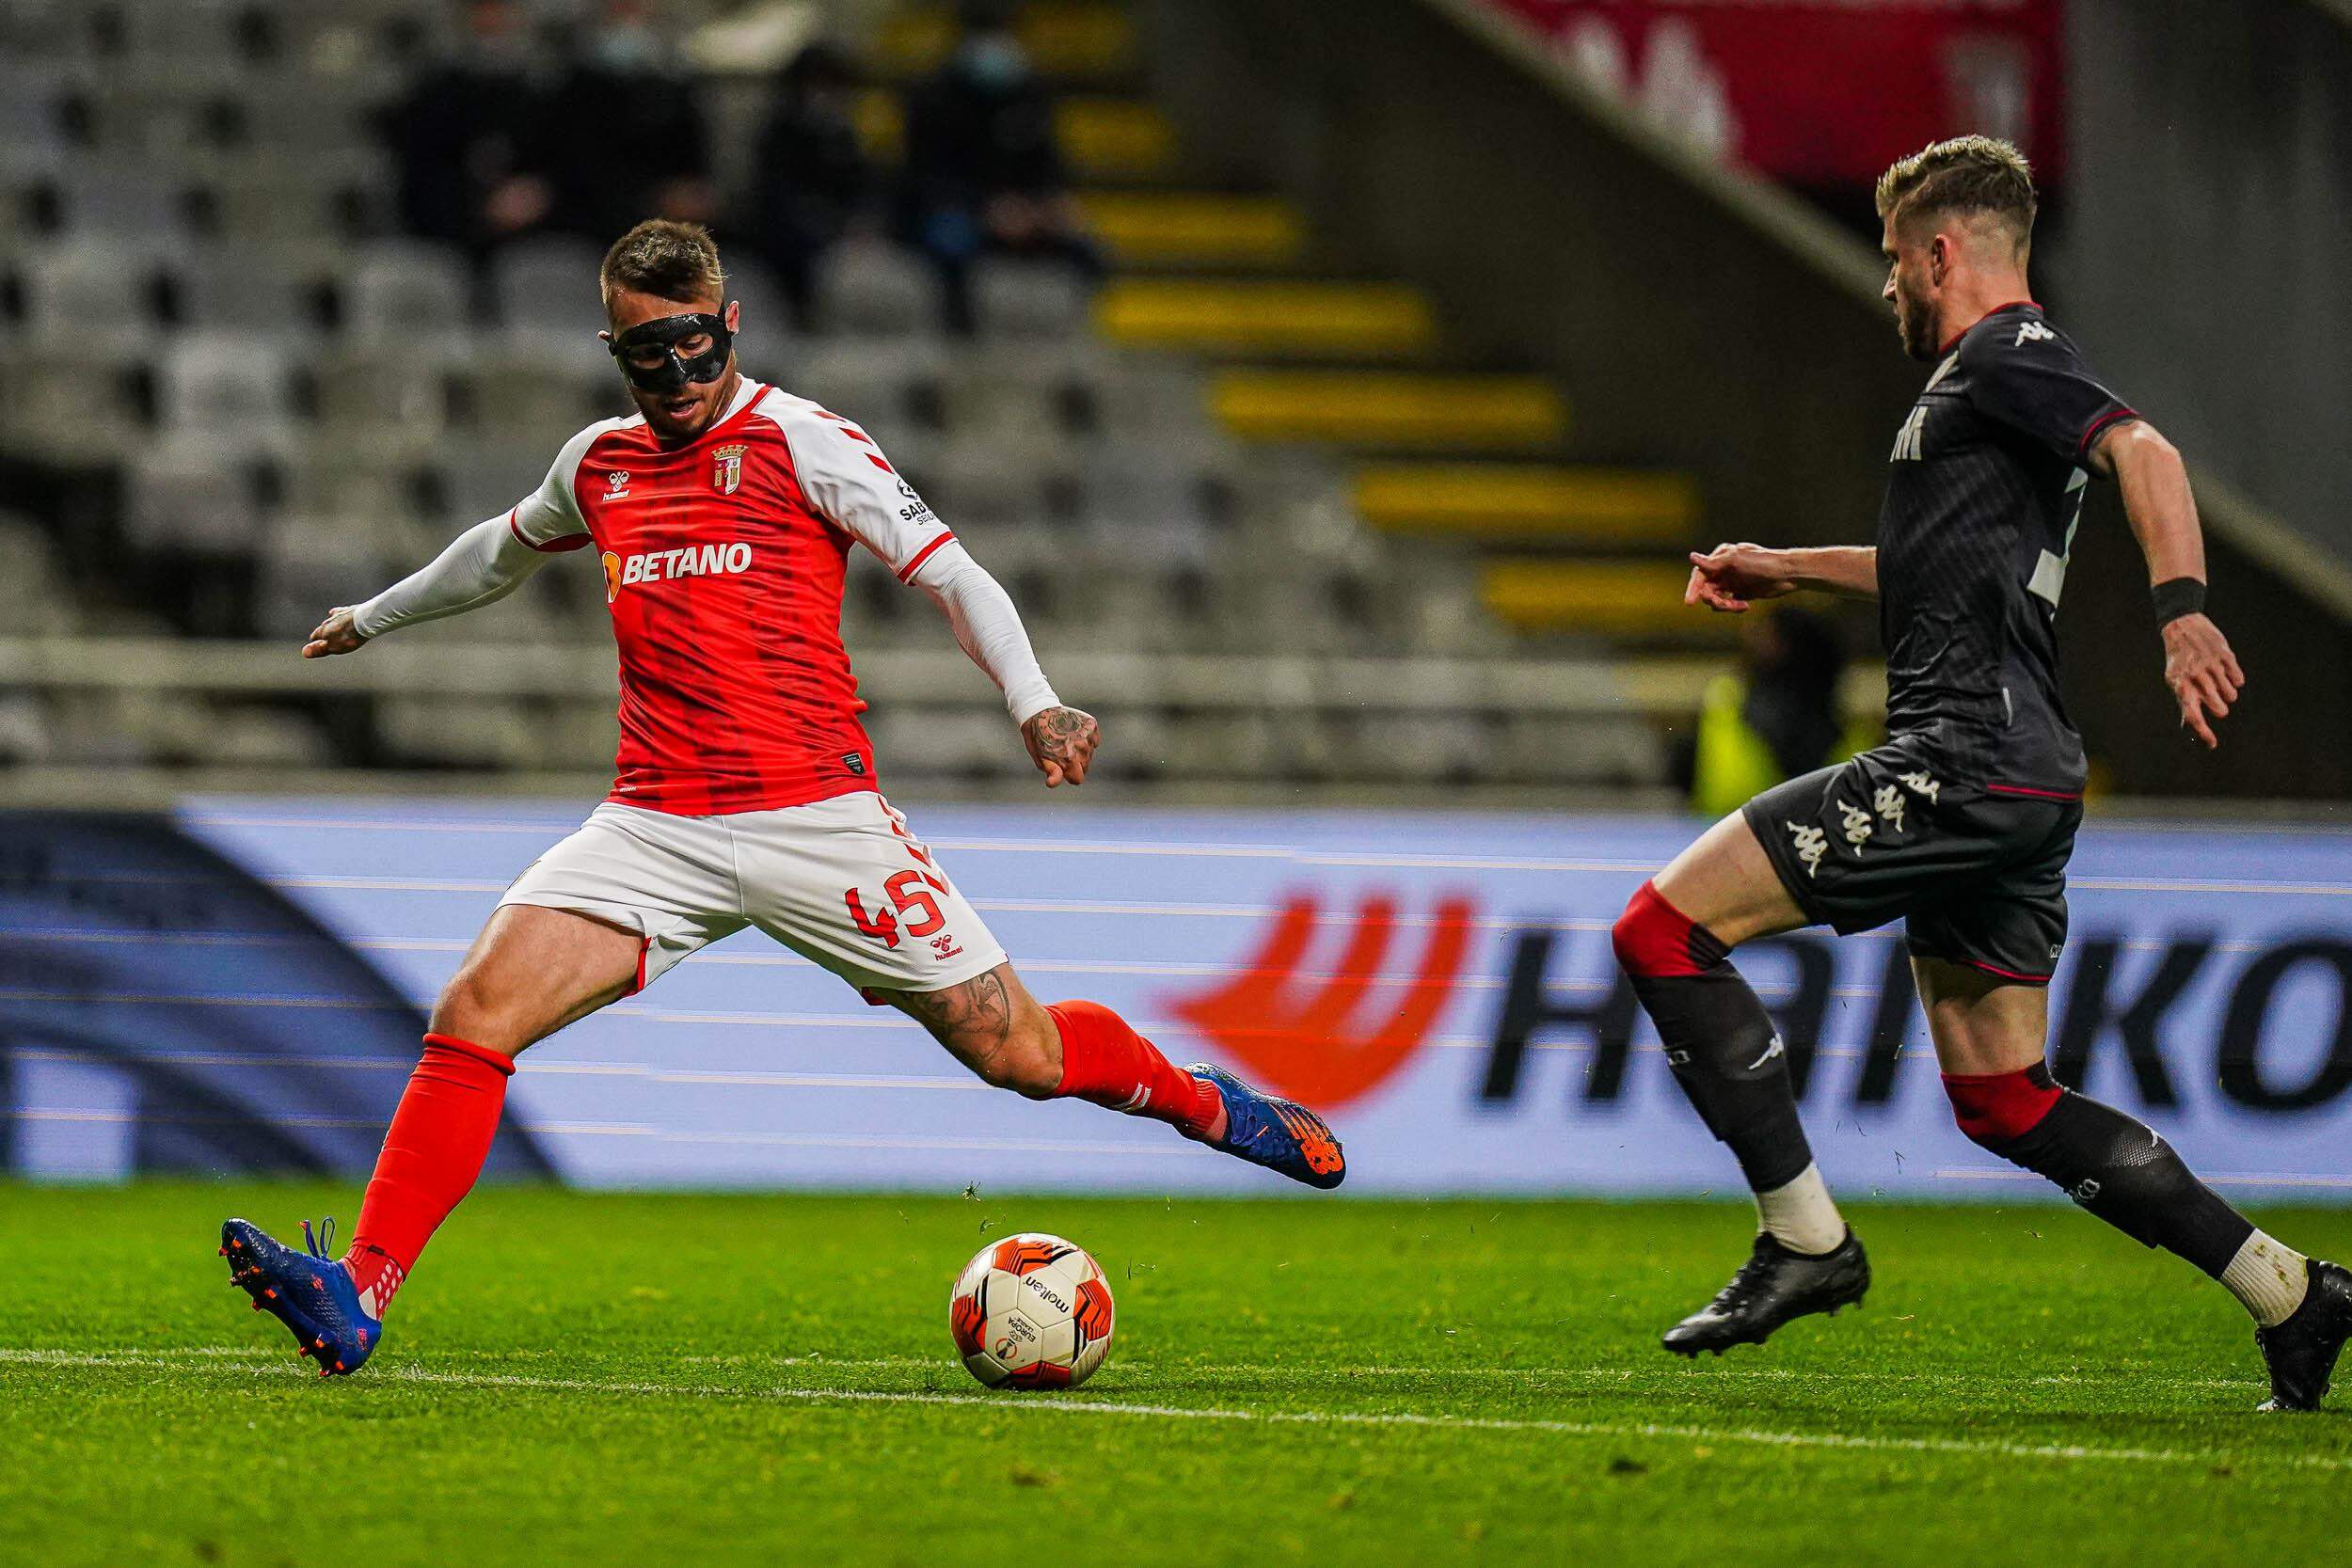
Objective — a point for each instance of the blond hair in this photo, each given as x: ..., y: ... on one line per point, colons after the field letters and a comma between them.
x: 1964, y: 177
x: 666, y: 259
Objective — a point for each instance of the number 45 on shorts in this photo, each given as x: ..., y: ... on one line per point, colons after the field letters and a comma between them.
x: 913, y: 911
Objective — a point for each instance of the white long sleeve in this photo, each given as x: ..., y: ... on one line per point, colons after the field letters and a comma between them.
x: 484, y: 563
x: 988, y: 627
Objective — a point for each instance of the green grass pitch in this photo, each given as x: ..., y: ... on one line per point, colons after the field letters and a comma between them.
x: 576, y: 1378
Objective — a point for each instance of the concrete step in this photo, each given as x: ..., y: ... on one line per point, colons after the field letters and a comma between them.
x: 1196, y: 229
x: 1068, y: 41
x: 1503, y: 504
x: 1392, y: 410
x: 1638, y: 600
x: 1102, y: 138
x: 1262, y: 317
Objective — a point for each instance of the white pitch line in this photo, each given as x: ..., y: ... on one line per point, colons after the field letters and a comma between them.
x: 1002, y: 1404
x: 254, y: 1356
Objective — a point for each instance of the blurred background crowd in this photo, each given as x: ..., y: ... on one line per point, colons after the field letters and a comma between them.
x: 1336, y: 387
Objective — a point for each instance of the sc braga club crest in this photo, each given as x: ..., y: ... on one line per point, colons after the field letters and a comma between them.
x: 726, y: 469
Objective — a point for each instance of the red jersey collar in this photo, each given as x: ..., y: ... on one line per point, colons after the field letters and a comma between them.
x: 1953, y: 341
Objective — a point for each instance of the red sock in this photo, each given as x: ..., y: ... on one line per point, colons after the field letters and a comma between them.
x: 436, y: 1144
x: 1108, y: 1063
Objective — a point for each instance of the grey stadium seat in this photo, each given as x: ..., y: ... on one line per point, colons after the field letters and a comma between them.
x: 88, y: 287
x: 548, y: 282
x: 478, y: 479
x: 878, y: 383
x: 873, y: 288
x: 183, y: 497
x: 120, y: 197
x: 1028, y: 299
x: 389, y: 396
x: 267, y: 291
x: 343, y: 479
x: 231, y: 387
x: 404, y: 293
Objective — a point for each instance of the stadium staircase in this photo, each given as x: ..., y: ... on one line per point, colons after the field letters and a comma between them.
x: 1303, y: 353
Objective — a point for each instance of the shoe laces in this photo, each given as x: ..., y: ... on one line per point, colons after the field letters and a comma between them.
x: 318, y: 1246
x: 1747, y: 1279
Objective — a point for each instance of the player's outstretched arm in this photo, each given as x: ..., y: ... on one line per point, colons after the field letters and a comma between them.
x: 2199, y: 666
x: 1061, y: 741
x: 484, y: 563
x: 1730, y: 577
x: 845, y: 475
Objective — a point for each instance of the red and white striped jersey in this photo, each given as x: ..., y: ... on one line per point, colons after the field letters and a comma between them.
x: 724, y: 561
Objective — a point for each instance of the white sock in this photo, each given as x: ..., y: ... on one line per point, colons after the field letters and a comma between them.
x: 1801, y: 1216
x: 2268, y: 1278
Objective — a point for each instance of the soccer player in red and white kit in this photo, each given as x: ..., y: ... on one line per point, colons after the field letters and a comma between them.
x: 724, y: 513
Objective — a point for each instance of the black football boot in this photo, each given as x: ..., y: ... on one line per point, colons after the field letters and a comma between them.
x: 2301, y: 1352
x: 1775, y: 1285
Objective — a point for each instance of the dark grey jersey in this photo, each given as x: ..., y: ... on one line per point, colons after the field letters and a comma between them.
x: 1984, y: 489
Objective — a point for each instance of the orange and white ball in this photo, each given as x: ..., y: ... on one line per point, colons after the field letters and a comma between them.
x: 1031, y: 1311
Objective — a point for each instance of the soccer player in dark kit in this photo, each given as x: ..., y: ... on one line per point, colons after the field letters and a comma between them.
x: 1961, y: 823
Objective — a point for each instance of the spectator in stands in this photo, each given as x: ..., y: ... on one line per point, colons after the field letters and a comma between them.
x: 982, y: 172
x: 621, y: 135
x: 1774, y: 717
x: 461, y: 137
x: 811, y: 180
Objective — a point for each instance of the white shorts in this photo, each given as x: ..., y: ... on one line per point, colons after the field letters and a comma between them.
x: 840, y: 881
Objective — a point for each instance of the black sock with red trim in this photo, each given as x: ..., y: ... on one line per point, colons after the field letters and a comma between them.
x: 2112, y: 1165
x: 1719, y: 1039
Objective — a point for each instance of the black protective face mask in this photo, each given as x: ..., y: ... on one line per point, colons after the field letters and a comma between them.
x: 673, y: 373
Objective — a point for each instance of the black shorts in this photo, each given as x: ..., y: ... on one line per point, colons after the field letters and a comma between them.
x: 1977, y: 872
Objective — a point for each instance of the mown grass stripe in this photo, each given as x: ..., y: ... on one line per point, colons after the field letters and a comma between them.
x: 1421, y: 1420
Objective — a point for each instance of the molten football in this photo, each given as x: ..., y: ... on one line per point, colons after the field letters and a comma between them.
x: 1031, y: 1311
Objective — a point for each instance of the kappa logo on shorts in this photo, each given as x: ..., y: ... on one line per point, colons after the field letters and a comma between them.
x: 1921, y: 783
x: 1889, y: 802
x: 1857, y: 824
x: 1811, y: 842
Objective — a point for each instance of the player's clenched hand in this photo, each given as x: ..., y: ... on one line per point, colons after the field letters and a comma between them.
x: 334, y: 635
x: 1062, y: 742
x: 2202, y: 672
x: 1729, y: 577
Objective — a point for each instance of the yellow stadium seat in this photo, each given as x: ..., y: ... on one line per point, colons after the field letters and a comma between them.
x: 1196, y: 229
x: 1362, y: 321
x: 1603, y: 598
x: 1496, y: 502
x: 1366, y: 408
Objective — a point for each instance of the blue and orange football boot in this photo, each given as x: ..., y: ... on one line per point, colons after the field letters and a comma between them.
x: 311, y: 1292
x: 1280, y: 1134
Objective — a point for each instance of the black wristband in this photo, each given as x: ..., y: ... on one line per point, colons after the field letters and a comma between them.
x: 2177, y: 597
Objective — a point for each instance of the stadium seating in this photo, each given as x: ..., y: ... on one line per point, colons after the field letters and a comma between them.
x: 1184, y: 461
